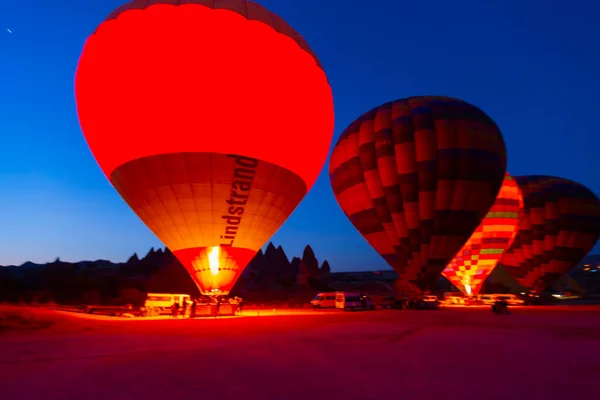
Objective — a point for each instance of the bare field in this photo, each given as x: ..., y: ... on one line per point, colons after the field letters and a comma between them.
x: 457, y: 353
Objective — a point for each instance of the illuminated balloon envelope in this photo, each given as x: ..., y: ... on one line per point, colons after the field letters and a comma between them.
x: 560, y: 225
x: 415, y: 177
x: 479, y: 256
x: 212, y: 119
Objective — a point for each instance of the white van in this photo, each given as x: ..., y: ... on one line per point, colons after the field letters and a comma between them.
x: 161, y: 303
x: 353, y: 301
x: 323, y: 300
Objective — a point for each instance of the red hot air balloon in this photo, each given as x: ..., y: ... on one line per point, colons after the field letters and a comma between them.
x: 415, y: 177
x: 211, y: 118
x: 560, y: 225
x: 479, y: 256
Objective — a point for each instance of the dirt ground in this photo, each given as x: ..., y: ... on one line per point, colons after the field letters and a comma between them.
x: 459, y: 353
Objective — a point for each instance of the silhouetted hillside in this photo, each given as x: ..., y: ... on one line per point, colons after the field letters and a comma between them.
x: 270, y: 275
x: 102, y: 281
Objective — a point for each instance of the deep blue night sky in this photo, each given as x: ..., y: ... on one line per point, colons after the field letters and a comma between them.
x: 531, y: 65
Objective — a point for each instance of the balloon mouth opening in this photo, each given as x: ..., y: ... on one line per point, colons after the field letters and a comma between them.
x: 215, y: 262
x: 215, y: 269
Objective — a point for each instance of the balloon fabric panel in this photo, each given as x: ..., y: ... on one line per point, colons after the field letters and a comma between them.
x: 248, y: 9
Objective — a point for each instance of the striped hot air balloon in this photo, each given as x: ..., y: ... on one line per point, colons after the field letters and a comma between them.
x: 415, y: 177
x: 560, y: 225
x: 211, y: 118
x: 479, y: 256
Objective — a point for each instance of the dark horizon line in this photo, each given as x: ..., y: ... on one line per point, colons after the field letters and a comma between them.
x: 165, y: 248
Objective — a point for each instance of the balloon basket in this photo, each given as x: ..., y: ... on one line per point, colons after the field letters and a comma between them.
x: 211, y: 310
x: 224, y: 309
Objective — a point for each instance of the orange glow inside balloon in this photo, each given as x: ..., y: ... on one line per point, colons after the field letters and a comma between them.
x: 211, y: 123
x: 478, y: 257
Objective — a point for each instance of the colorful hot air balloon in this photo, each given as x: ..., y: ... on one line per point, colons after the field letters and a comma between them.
x: 480, y: 255
x: 211, y: 118
x: 560, y: 225
x: 415, y: 177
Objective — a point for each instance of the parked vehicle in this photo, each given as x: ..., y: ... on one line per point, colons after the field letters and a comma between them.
x: 108, y: 309
x: 323, y: 300
x: 391, y: 302
x: 353, y: 301
x: 511, y: 299
x: 487, y: 299
x: 161, y: 303
x: 425, y: 302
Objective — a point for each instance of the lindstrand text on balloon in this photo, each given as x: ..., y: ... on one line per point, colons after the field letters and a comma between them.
x: 240, y: 190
